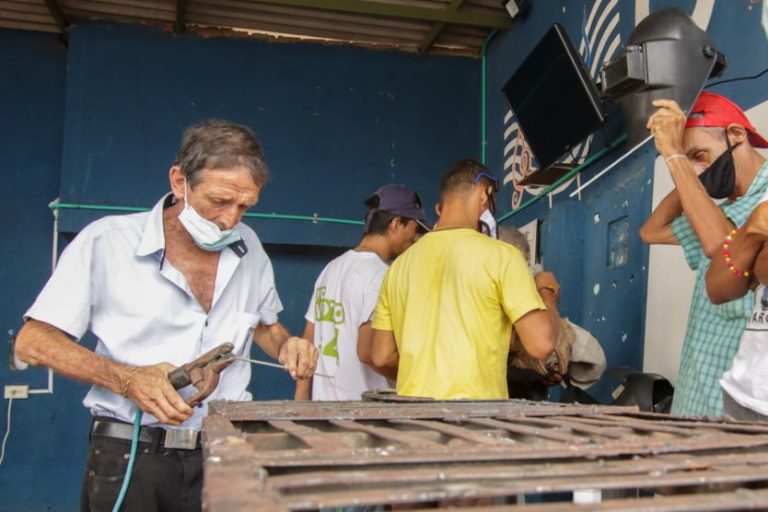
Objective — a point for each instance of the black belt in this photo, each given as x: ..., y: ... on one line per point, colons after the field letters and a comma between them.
x: 179, y: 439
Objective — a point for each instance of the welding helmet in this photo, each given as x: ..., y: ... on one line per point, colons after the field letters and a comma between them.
x: 667, y: 57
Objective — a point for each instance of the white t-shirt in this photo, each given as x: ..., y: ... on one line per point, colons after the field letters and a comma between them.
x: 747, y: 379
x: 343, y: 299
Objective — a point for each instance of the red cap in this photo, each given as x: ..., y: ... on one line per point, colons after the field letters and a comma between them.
x: 713, y: 110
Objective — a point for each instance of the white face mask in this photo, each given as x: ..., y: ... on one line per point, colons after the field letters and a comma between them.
x: 206, y: 234
x: 488, y: 224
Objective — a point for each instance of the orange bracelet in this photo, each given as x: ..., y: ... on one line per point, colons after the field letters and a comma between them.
x: 727, y: 257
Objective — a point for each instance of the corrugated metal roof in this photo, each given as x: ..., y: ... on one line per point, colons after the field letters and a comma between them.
x: 26, y: 15
x: 424, y: 26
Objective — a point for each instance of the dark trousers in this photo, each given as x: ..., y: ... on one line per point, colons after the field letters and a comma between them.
x: 162, y: 479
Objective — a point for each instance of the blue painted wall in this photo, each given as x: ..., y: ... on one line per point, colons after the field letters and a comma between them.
x: 335, y: 121
x: 609, y: 302
x: 100, y: 123
x: 44, y: 452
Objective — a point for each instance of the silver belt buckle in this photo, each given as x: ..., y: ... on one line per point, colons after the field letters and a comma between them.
x: 181, y: 439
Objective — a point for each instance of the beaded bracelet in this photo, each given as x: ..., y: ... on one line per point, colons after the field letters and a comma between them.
x: 727, y: 257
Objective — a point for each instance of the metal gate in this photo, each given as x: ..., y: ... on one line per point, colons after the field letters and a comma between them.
x: 287, y: 455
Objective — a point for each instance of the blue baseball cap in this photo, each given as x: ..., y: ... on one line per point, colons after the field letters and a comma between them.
x: 398, y: 200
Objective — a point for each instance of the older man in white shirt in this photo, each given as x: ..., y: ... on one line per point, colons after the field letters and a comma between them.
x: 159, y: 289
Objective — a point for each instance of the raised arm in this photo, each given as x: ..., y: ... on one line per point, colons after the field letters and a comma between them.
x: 707, y: 220
x: 658, y: 228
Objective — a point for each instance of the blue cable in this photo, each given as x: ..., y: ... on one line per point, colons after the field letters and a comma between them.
x: 131, y: 460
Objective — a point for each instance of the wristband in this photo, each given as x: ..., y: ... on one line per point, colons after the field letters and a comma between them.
x: 672, y: 157
x: 127, y: 382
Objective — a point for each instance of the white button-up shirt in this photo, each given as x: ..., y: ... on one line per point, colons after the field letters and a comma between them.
x: 113, y: 279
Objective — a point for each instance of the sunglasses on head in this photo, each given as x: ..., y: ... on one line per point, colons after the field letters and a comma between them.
x: 489, y: 177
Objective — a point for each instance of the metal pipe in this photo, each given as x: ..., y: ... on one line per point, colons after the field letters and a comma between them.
x: 54, y: 260
x: 589, y: 161
x: 613, y: 164
x: 280, y: 366
x: 483, y: 80
x: 134, y: 209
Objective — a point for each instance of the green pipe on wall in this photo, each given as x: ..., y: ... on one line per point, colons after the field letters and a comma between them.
x: 277, y: 216
x: 483, y: 80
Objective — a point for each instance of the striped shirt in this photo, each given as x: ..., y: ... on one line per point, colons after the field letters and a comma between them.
x: 713, y: 332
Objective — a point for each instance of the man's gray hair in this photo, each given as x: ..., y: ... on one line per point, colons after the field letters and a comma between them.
x: 514, y: 237
x: 221, y: 145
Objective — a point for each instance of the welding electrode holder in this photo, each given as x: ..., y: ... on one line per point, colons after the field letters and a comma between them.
x: 203, y: 372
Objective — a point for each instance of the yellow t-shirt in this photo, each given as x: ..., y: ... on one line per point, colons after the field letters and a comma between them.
x: 451, y: 300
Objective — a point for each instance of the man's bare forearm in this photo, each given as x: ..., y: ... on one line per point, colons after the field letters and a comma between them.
x: 41, y: 344
x: 298, y: 355
x: 270, y: 338
x: 384, y: 352
x: 707, y: 220
x: 550, y: 300
x: 658, y: 228
x: 388, y: 372
x: 303, y: 389
x: 722, y: 284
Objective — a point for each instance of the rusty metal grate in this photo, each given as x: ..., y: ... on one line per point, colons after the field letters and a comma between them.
x: 320, y: 455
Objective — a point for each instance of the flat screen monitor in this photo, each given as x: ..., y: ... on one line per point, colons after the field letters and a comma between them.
x: 555, y: 101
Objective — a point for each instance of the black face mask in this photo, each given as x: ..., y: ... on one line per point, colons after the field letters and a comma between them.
x: 719, y: 179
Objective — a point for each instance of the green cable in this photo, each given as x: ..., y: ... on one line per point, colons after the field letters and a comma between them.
x: 312, y: 218
x: 72, y: 206
x: 589, y: 161
x: 134, y: 209
x: 131, y: 461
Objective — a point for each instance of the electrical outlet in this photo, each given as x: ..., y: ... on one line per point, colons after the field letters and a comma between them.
x: 16, y: 392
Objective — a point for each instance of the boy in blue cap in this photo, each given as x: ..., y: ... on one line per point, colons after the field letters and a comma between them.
x: 346, y: 293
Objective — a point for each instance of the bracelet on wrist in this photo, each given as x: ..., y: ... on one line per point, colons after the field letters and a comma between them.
x: 672, y: 157
x: 127, y: 382
x: 727, y: 257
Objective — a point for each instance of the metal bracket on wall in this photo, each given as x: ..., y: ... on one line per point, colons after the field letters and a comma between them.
x: 589, y: 161
x: 60, y: 19
x: 180, y: 22
x: 611, y: 166
x: 426, y: 43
